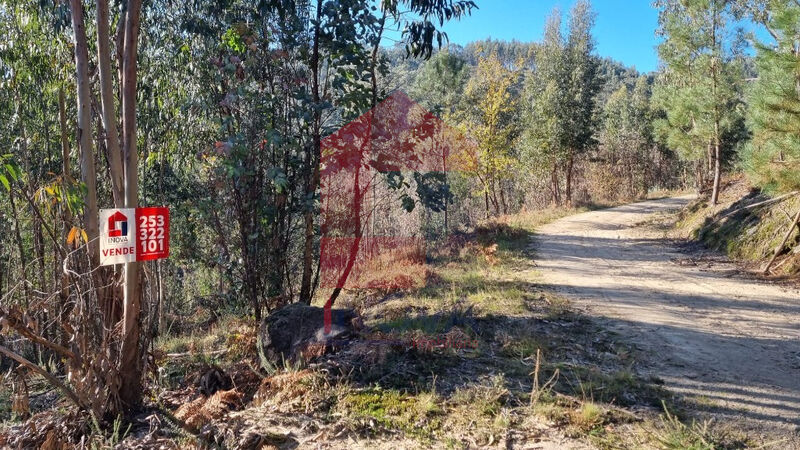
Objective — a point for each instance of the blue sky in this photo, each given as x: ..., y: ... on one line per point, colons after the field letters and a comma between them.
x: 624, y: 29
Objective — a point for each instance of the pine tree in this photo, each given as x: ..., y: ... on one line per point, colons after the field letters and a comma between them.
x: 772, y: 158
x: 698, y: 88
x: 440, y: 82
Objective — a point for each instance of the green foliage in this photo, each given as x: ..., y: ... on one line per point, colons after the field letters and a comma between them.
x: 545, y: 139
x: 561, y: 96
x: 699, y: 89
x: 9, y: 171
x: 440, y: 82
x: 489, y: 117
x: 772, y: 158
x: 627, y: 140
x: 233, y: 41
x: 418, y: 20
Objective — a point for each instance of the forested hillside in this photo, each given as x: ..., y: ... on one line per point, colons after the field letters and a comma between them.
x: 227, y: 114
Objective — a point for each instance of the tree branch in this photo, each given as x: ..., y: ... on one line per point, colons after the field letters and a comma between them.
x: 49, y: 377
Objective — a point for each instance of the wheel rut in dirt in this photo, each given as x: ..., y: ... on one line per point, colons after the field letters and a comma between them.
x: 729, y: 341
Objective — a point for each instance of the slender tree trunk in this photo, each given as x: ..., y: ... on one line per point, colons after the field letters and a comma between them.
x: 493, y: 197
x: 554, y: 186
x: 38, y: 240
x: 312, y: 167
x: 88, y: 173
x: 503, y: 199
x: 447, y: 200
x: 38, y: 249
x: 23, y: 261
x: 717, y: 168
x: 374, y: 65
x: 568, y: 181
x: 130, y: 364
x: 66, y: 215
x: 108, y: 115
x: 715, y: 73
x: 486, y: 200
x: 709, y: 164
x: 65, y: 158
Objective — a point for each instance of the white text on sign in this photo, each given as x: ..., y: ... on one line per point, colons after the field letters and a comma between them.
x: 128, y: 234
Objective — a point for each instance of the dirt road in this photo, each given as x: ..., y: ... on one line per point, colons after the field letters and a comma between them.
x: 726, y: 341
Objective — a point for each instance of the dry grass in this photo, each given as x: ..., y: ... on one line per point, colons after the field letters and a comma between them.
x: 202, y: 410
x: 383, y: 390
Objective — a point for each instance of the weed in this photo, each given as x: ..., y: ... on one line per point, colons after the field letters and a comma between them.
x: 485, y: 399
x: 671, y: 433
x: 588, y: 417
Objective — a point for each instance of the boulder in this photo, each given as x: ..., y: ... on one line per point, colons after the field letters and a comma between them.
x: 297, y: 330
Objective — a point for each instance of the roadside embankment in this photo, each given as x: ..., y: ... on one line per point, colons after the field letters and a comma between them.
x: 748, y: 226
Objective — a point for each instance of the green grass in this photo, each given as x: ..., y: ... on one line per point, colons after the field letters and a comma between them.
x: 416, y: 415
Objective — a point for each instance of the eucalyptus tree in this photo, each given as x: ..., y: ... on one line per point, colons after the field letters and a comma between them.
x: 626, y: 140
x: 544, y: 140
x: 561, y: 96
x: 583, y: 86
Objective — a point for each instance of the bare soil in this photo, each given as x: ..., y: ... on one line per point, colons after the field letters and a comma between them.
x: 726, y: 341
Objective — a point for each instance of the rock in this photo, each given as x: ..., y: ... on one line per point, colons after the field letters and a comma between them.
x: 289, y: 332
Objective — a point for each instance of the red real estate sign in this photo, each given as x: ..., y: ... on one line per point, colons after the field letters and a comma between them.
x: 128, y: 234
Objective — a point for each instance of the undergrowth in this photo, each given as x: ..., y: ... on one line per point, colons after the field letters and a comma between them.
x: 532, y: 369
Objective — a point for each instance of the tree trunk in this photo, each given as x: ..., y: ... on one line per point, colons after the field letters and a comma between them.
x: 108, y: 115
x: 568, y: 186
x: 554, y: 186
x: 715, y: 74
x: 446, y: 201
x: 23, y: 262
x: 708, y: 173
x: 493, y: 197
x: 88, y: 174
x: 486, y: 200
x: 65, y: 212
x: 130, y: 364
x: 312, y: 167
x: 503, y: 199
x: 717, y: 168
x: 374, y: 65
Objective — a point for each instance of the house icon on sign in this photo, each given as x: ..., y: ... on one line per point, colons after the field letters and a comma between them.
x: 117, y: 225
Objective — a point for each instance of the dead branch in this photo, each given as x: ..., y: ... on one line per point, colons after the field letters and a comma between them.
x: 53, y: 380
x: 756, y: 205
x: 185, y: 354
x: 20, y: 327
x: 779, y: 248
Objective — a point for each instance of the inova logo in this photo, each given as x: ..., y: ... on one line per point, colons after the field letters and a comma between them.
x: 117, y: 225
